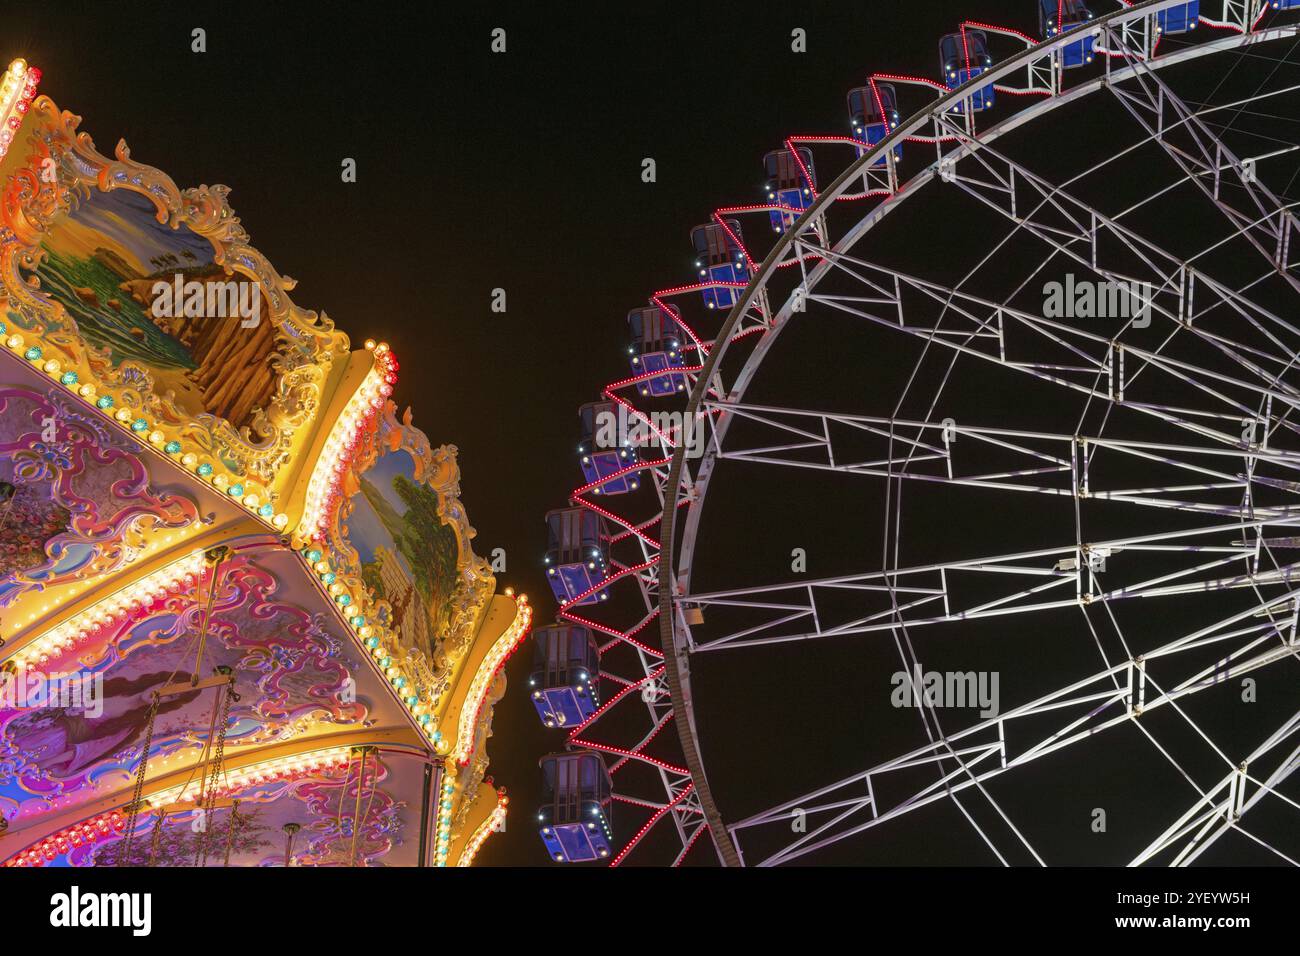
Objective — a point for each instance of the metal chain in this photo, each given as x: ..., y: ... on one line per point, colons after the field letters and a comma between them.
x: 235, y: 821
x: 214, y: 771
x: 157, y: 836
x: 137, y: 793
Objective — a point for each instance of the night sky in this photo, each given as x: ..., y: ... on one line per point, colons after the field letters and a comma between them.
x: 478, y: 171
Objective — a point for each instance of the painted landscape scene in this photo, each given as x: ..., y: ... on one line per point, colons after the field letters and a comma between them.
x: 102, y: 264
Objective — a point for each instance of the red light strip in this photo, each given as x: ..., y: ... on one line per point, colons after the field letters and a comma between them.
x: 599, y: 712
x: 645, y: 524
x: 90, y: 831
x: 663, y: 722
x: 690, y: 843
x: 997, y: 29
x: 735, y: 239
x: 903, y: 78
x: 641, y: 415
x: 658, y: 300
x: 757, y: 207
x: 646, y: 376
x: 807, y: 176
x: 864, y: 195
x: 523, y: 618
x: 650, y: 823
x: 1015, y: 91
x: 847, y: 140
x: 932, y: 140
x: 625, y: 638
x: 653, y: 761
x: 612, y: 578
x: 622, y: 522
x: 806, y: 257
x: 630, y: 469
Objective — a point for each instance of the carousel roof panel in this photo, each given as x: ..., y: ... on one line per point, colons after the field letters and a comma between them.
x: 153, y: 296
x: 337, y: 807
x: 296, y: 677
x: 88, y: 504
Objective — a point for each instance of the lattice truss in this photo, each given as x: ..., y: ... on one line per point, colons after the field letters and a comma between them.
x: 1138, y: 475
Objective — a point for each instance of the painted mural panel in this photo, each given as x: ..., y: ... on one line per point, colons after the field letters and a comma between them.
x: 292, y: 672
x: 329, y: 815
x: 409, y: 555
x: 153, y: 297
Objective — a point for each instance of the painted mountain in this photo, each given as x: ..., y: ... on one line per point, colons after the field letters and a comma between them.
x: 101, y: 264
x: 405, y: 513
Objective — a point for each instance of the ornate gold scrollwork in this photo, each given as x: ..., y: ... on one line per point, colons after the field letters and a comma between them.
x: 305, y: 342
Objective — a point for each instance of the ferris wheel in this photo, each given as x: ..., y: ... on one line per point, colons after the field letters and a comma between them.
x: 1032, y: 444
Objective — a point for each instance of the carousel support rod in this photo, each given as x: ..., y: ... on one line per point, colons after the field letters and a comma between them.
x: 356, y: 813
x: 189, y: 687
x: 290, y: 831
x: 213, y: 557
x: 189, y: 806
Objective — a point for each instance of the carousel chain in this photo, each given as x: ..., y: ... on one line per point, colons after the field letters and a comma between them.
x: 141, y: 772
x: 343, y: 793
x: 356, y: 813
x: 205, y: 756
x: 236, y: 820
x: 208, y: 793
x: 137, y: 793
x: 205, y: 762
x: 156, y: 843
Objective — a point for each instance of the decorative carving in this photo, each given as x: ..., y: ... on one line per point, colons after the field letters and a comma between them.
x: 305, y: 343
x: 84, y: 502
x: 437, y: 469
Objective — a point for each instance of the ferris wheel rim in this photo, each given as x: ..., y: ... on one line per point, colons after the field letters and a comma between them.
x: 676, y: 655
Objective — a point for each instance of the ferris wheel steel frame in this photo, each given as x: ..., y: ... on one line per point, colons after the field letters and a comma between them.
x: 662, y: 680
x: 1128, y: 42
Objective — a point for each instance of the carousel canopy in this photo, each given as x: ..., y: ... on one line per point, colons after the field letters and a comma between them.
x: 242, y: 620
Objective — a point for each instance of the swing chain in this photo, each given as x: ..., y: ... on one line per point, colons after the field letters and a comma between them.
x: 208, y: 796
x: 236, y: 820
x: 156, y: 842
x: 137, y: 793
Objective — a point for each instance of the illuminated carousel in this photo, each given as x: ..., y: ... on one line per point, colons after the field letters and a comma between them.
x: 242, y: 621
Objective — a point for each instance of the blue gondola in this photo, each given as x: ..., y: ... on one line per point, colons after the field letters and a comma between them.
x: 605, y: 449
x: 1179, y: 19
x: 657, y: 347
x: 791, y: 181
x: 719, y: 258
x: 963, y: 56
x: 565, y: 681
x: 872, y: 116
x: 1062, y: 16
x: 575, y: 555
x: 574, y: 819
x: 1284, y: 4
